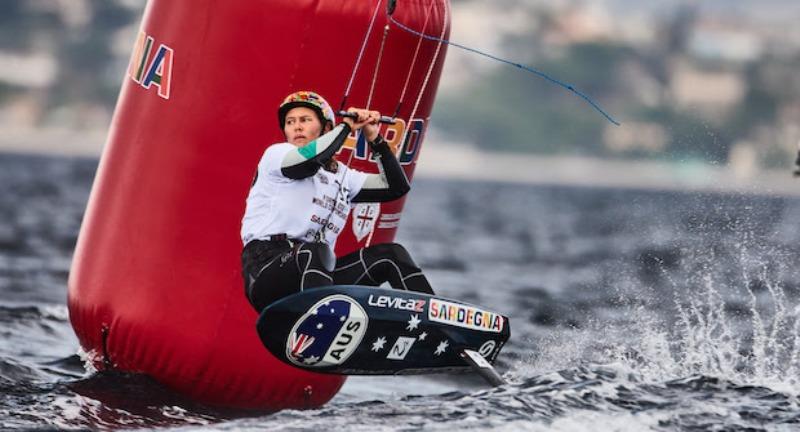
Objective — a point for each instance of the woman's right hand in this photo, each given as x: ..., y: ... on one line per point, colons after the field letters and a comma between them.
x: 367, y: 120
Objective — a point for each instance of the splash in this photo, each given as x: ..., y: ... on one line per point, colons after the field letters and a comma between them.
x: 89, y: 359
x: 755, y: 342
x: 725, y: 314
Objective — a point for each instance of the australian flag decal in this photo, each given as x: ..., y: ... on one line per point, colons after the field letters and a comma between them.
x: 328, y: 333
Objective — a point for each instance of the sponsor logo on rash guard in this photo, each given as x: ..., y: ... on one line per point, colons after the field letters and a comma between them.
x: 328, y: 333
x: 464, y: 316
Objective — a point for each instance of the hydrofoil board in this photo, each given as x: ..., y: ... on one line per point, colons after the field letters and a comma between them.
x: 358, y: 330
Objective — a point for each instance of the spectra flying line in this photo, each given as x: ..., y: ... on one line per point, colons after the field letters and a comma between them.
x: 439, y: 40
x: 390, y: 8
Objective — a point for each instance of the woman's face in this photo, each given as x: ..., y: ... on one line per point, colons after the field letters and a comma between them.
x: 302, y: 126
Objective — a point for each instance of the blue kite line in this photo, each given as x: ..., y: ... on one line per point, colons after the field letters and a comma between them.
x: 541, y: 74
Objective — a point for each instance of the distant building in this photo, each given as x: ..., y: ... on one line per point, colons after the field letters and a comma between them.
x: 728, y: 41
x: 635, y: 136
x: 34, y: 71
x: 712, y: 92
x: 587, y: 22
x: 743, y: 160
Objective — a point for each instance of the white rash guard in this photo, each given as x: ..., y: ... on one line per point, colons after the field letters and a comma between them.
x: 298, y: 207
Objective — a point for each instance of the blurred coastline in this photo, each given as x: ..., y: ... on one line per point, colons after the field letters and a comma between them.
x: 709, y: 80
x: 707, y: 92
x: 464, y: 162
x: 443, y: 159
x: 53, y: 141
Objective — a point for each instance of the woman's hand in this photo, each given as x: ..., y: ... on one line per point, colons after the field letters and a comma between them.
x: 367, y: 120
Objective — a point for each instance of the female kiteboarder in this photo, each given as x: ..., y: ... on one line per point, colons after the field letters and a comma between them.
x: 300, y: 200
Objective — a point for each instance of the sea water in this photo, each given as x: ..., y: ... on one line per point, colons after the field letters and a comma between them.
x: 630, y: 310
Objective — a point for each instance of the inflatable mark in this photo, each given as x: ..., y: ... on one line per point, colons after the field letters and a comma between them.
x: 155, y: 285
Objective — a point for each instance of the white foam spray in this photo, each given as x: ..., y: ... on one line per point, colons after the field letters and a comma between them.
x: 747, y: 333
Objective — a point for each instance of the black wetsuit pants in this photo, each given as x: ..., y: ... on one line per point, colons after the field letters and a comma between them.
x: 275, y: 269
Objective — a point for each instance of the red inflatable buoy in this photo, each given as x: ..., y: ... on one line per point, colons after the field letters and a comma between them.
x: 155, y: 285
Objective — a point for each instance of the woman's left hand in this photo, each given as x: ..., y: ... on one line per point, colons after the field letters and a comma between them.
x: 367, y: 120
